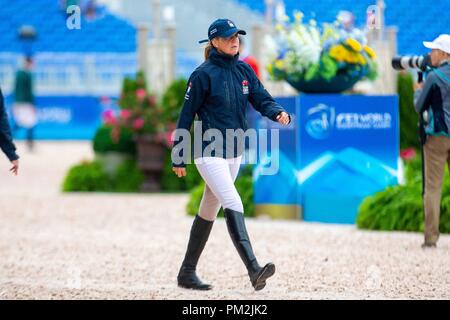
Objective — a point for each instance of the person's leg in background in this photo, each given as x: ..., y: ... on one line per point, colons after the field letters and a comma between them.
x: 30, y: 138
x: 221, y: 183
x: 435, y: 156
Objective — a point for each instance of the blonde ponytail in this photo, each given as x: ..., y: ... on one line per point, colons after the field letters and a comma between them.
x: 208, y: 48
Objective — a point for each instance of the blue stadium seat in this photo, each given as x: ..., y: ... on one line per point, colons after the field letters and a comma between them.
x: 415, y: 21
x: 53, y: 36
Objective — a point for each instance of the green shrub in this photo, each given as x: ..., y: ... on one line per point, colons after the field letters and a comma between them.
x: 413, y: 170
x: 128, y: 177
x: 244, y: 186
x: 91, y: 177
x: 103, y: 142
x: 87, y: 176
x: 400, y: 207
x: 194, y: 199
x: 408, y: 116
x: 172, y: 100
x: 396, y: 208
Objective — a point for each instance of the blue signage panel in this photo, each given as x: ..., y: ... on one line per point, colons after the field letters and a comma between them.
x: 348, y: 148
x: 340, y: 149
x: 64, y: 118
x: 280, y: 187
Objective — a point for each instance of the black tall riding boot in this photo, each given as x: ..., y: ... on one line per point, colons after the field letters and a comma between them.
x: 238, y: 232
x: 187, y: 278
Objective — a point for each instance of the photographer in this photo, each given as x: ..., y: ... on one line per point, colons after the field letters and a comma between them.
x: 432, y: 102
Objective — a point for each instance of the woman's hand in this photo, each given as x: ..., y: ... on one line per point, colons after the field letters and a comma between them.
x: 283, y: 118
x: 15, y: 167
x: 180, y: 172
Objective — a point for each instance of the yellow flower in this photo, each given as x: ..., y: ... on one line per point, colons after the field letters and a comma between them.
x: 279, y: 27
x: 338, y: 52
x: 279, y: 64
x: 351, y: 58
x: 298, y: 16
x: 355, y: 45
x: 270, y: 68
x: 370, y: 52
x: 361, y: 59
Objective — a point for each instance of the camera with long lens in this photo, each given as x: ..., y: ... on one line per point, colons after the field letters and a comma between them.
x: 422, y: 63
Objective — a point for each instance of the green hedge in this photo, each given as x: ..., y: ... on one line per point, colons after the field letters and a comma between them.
x: 87, y: 176
x: 244, y: 186
x: 90, y: 176
x: 172, y: 100
x: 408, y: 116
x: 400, y: 207
x: 102, y: 141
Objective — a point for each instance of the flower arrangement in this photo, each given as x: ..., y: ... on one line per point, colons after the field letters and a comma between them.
x: 138, y: 112
x: 319, y: 59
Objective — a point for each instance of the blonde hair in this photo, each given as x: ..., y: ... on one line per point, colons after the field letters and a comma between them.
x: 208, y: 48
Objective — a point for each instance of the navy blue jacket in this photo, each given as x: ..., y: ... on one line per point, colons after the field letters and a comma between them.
x: 6, y: 143
x: 218, y: 93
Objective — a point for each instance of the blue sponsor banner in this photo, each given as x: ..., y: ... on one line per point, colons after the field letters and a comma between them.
x: 348, y: 148
x: 341, y: 149
x: 279, y: 188
x: 65, y: 117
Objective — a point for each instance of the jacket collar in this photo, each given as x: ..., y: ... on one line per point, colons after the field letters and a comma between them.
x: 223, y: 60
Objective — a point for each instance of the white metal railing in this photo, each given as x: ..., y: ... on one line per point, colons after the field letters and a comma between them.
x: 71, y: 73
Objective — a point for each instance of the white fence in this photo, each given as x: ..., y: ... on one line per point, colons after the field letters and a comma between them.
x: 63, y: 74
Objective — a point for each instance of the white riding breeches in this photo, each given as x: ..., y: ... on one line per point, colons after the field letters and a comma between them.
x: 219, y: 175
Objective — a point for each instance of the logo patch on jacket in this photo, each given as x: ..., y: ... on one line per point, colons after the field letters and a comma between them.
x: 186, y: 96
x: 245, y: 87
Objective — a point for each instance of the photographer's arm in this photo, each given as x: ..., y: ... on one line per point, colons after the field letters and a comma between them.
x: 422, y: 96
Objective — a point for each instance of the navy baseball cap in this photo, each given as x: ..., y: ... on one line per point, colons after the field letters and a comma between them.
x: 222, y: 28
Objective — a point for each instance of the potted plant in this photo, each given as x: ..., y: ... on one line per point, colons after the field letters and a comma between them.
x: 140, y: 114
x: 326, y: 59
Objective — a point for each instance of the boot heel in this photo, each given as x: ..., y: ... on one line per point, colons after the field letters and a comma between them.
x: 238, y: 233
x: 187, y: 277
x: 266, y: 272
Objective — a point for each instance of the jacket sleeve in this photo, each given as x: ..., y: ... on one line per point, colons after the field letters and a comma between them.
x: 195, y: 95
x: 261, y: 100
x: 6, y: 143
x: 422, y: 96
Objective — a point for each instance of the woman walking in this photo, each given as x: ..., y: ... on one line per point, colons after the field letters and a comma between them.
x: 218, y: 93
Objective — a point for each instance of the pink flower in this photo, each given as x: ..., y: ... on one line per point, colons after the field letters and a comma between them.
x: 141, y: 94
x: 408, y: 154
x: 109, y: 118
x: 169, y: 137
x: 138, y: 123
x: 125, y: 114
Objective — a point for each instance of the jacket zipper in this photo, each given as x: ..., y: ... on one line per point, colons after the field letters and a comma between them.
x: 227, y: 92
x: 232, y: 105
